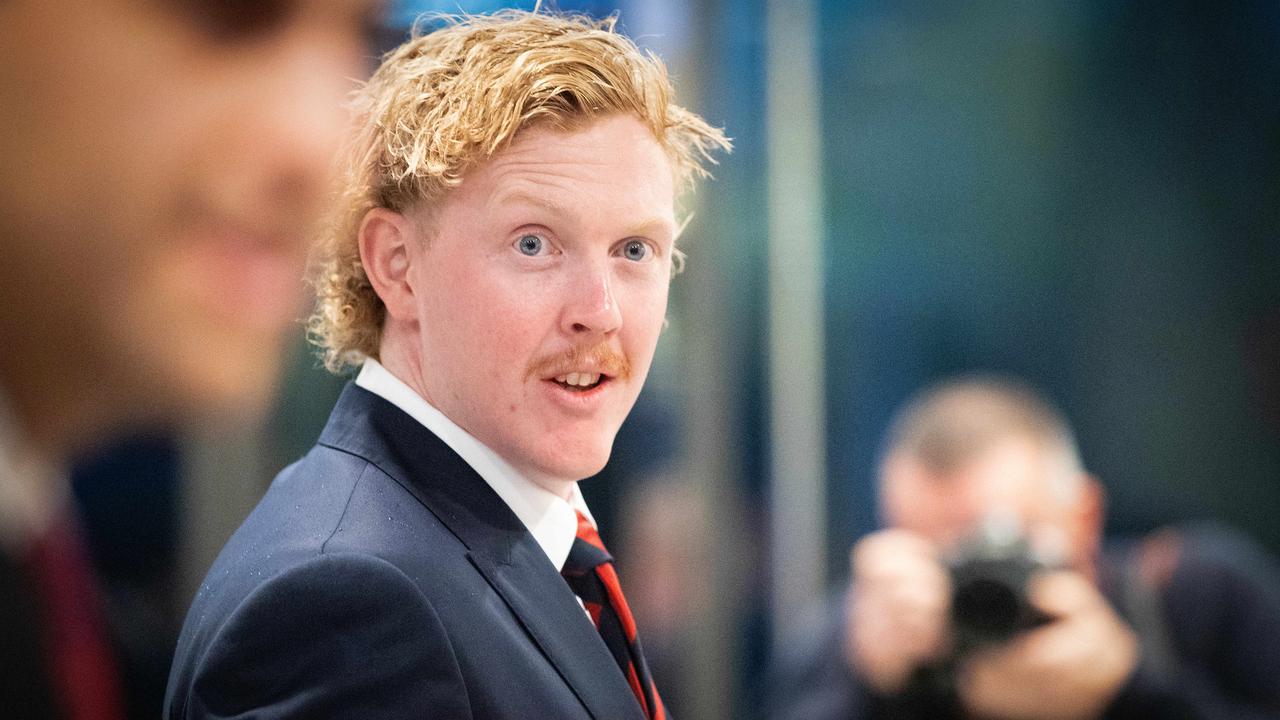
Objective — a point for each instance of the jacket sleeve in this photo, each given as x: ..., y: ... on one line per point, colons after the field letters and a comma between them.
x: 340, y: 636
x: 1222, y: 610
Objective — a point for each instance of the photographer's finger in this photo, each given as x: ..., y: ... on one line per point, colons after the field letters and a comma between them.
x: 885, y: 550
x: 993, y: 684
x: 882, y: 654
x: 1064, y: 593
x: 913, y: 584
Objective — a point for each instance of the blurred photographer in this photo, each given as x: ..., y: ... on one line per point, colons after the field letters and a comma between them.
x: 989, y: 594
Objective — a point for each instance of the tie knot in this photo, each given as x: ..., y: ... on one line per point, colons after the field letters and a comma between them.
x: 588, y: 551
x: 588, y: 533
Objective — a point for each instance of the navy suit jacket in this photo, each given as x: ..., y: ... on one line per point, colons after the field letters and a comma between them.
x: 25, y: 685
x: 381, y: 577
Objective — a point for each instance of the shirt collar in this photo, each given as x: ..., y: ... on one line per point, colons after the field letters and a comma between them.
x: 32, y: 488
x: 551, y: 519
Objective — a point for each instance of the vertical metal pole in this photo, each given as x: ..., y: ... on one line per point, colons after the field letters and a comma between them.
x: 796, y: 336
x: 706, y: 337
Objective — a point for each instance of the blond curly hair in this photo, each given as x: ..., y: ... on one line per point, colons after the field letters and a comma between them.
x: 447, y: 100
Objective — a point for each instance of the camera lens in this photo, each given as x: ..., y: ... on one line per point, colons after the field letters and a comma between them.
x: 987, y: 608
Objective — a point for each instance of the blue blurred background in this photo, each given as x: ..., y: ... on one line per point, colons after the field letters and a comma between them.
x: 1084, y: 194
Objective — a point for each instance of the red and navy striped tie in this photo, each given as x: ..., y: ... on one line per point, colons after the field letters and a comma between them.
x: 590, y: 573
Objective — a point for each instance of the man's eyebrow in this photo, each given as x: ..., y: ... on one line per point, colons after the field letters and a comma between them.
x: 528, y: 198
x: 652, y: 228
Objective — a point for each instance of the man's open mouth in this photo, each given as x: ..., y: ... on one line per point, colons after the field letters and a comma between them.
x: 580, y: 382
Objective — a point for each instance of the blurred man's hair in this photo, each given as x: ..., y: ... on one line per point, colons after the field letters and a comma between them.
x: 447, y: 100
x: 951, y: 423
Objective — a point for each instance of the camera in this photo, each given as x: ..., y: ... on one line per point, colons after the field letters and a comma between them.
x: 990, y: 576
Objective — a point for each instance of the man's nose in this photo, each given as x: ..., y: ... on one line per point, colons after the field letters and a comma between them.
x: 305, y: 120
x: 958, y: 524
x: 592, y: 307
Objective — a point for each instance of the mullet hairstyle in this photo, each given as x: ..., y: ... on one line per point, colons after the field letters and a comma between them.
x: 445, y: 101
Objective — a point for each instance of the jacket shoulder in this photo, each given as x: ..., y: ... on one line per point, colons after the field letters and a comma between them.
x: 297, y: 646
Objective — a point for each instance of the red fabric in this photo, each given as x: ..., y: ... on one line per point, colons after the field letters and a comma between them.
x: 611, y: 584
x: 81, y: 664
x: 636, y: 670
x: 634, y: 681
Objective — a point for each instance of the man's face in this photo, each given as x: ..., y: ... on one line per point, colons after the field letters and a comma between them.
x: 1010, y: 478
x: 544, y: 290
x: 163, y: 164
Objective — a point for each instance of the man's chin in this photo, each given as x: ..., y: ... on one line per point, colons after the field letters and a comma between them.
x: 225, y: 396
x: 570, y: 468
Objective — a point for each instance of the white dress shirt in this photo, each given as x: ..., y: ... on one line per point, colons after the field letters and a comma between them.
x: 32, y: 489
x: 552, y: 520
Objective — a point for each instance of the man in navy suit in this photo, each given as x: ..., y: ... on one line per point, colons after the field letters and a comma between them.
x: 498, y: 268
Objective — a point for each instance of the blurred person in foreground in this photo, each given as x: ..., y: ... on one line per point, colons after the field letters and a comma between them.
x: 499, y: 270
x: 162, y: 161
x: 1182, y: 624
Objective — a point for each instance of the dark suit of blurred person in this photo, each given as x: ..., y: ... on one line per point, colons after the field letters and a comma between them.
x: 163, y: 162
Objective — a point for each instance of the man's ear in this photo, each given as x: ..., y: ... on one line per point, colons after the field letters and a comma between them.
x: 385, y: 252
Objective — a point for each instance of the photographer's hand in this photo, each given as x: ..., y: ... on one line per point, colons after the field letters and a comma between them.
x: 897, y: 617
x: 1069, y: 669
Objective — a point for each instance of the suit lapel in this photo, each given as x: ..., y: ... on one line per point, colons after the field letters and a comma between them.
x: 501, y: 548
x: 537, y: 595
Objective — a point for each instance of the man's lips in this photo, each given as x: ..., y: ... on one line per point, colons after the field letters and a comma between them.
x: 579, y: 397
x: 253, y: 276
x: 582, y: 367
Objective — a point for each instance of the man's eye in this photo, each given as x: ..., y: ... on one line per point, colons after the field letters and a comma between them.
x: 530, y: 245
x: 635, y: 250
x: 236, y: 20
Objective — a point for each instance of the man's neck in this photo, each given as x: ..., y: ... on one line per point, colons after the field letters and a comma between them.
x: 560, y: 488
x: 62, y: 407
x: 398, y: 362
x: 547, y: 509
x: 33, y: 406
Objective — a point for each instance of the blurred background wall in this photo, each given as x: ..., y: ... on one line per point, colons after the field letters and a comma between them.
x: 1085, y: 194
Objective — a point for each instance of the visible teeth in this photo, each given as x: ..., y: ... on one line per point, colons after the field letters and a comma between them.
x: 579, y: 379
